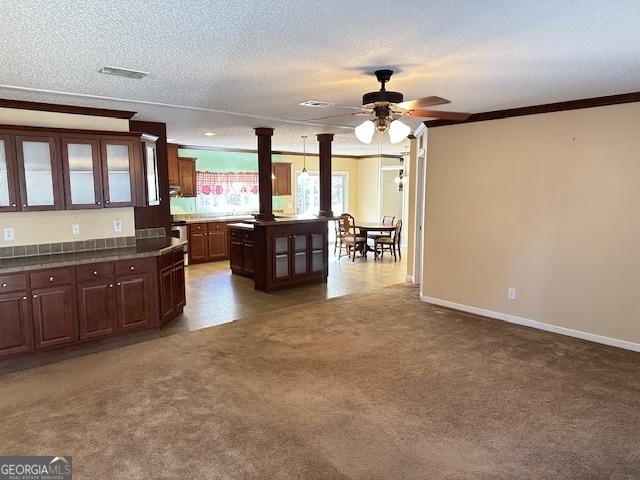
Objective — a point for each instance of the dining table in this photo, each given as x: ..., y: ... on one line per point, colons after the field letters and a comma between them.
x: 366, y: 227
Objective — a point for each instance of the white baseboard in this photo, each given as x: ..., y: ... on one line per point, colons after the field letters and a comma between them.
x: 410, y: 279
x: 592, y: 337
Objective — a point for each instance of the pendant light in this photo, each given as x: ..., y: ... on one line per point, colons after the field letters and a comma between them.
x: 304, y: 173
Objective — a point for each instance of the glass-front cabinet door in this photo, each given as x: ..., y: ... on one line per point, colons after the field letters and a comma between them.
x: 82, y: 175
x: 117, y: 173
x: 300, y: 258
x: 151, y: 173
x: 281, y: 257
x: 8, y: 179
x: 39, y: 172
x: 317, y: 252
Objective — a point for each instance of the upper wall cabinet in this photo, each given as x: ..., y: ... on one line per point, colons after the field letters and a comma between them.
x: 82, y: 173
x: 150, y: 185
x: 118, y: 171
x: 54, y: 169
x: 8, y: 176
x: 39, y: 172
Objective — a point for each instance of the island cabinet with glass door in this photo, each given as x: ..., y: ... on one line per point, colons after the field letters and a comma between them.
x: 290, y: 253
x: 60, y: 169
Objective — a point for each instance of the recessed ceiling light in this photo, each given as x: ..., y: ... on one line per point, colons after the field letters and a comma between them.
x: 123, y: 72
x: 210, y: 134
x: 315, y: 104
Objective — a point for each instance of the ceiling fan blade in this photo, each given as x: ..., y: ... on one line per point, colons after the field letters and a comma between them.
x: 459, y: 116
x: 422, y: 102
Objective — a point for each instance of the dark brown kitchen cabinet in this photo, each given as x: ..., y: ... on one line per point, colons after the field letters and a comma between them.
x: 82, y: 173
x: 241, y: 251
x: 54, y: 315
x: 217, y: 241
x: 8, y: 175
x: 96, y: 301
x: 39, y: 172
x: 172, y: 286
x: 119, y: 158
x: 281, y: 179
x: 16, y: 326
x: 187, y: 176
x: 172, y: 160
x: 208, y: 242
x: 136, y: 292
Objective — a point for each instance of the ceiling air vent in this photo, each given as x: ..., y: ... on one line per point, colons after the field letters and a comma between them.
x: 123, y: 72
x: 315, y: 103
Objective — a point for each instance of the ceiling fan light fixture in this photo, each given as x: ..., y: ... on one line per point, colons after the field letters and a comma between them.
x: 398, y: 131
x: 364, y: 131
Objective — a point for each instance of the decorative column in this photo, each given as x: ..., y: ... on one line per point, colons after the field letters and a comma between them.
x: 264, y: 173
x: 325, y: 140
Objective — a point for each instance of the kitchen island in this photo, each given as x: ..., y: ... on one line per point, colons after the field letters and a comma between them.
x: 286, y: 252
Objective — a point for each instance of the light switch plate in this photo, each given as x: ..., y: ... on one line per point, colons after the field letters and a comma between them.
x: 117, y: 225
x: 8, y: 234
x: 75, y: 229
x: 511, y: 293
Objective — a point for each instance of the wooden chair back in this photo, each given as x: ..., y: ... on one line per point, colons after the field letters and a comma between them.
x: 398, y: 233
x: 388, y: 220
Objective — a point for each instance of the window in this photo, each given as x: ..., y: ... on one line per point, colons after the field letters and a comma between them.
x: 227, y: 193
x: 308, y: 193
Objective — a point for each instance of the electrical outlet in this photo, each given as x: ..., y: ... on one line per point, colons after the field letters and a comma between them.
x: 117, y: 225
x: 511, y: 293
x: 75, y: 229
x: 8, y: 234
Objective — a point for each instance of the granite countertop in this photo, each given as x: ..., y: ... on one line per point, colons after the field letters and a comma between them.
x: 281, y: 219
x: 211, y: 218
x: 241, y: 225
x: 148, y: 247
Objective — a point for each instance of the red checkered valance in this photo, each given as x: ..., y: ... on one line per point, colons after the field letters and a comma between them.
x: 210, y: 183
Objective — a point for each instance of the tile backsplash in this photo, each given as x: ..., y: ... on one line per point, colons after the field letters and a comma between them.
x: 66, y: 247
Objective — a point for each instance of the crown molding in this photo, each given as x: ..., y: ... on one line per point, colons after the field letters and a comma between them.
x: 55, y: 107
x: 279, y: 152
x: 544, y: 108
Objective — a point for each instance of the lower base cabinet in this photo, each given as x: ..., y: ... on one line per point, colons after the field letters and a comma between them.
x: 15, y: 324
x: 96, y: 310
x: 61, y: 307
x: 241, y: 251
x: 172, y: 286
x: 54, y: 316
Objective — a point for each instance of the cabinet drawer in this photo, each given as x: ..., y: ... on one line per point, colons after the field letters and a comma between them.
x: 241, y: 234
x: 166, y: 260
x: 10, y: 283
x: 215, y: 226
x: 52, y: 278
x: 198, y: 227
x: 97, y: 271
x: 178, y: 255
x: 137, y: 265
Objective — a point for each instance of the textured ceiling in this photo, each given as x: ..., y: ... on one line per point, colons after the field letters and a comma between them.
x: 228, y: 66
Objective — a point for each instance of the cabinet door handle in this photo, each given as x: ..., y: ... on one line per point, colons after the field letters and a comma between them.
x: 35, y: 296
x: 111, y: 285
x: 24, y: 298
x: 132, y: 268
x: 118, y: 283
x: 13, y: 204
x: 4, y: 285
x: 95, y: 272
x: 50, y: 279
x: 24, y: 204
x: 97, y: 203
x: 106, y: 201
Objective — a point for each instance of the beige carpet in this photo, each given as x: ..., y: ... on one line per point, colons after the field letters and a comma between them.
x: 368, y: 386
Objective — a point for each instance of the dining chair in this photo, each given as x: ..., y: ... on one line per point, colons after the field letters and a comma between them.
x: 386, y: 220
x: 350, y: 240
x: 342, y: 229
x: 392, y: 243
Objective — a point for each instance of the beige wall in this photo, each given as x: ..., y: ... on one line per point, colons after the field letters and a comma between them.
x: 45, y: 227
x: 368, y: 186
x: 548, y: 204
x: 32, y: 228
